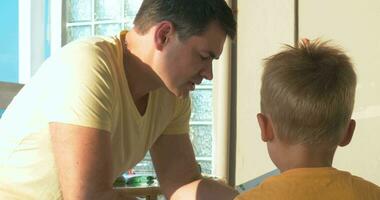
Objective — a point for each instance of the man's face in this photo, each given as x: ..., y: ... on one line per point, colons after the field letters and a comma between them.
x: 186, y: 63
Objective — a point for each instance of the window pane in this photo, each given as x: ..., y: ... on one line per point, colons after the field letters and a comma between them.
x: 201, y: 103
x: 76, y: 32
x: 107, y: 29
x: 201, y: 137
x: 206, y: 166
x: 144, y: 167
x: 206, y: 82
x: 78, y: 10
x: 129, y: 24
x: 131, y: 7
x: 9, y: 41
x: 108, y: 9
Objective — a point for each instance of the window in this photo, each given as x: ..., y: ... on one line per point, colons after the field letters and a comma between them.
x: 8, y: 43
x: 98, y: 17
x: 34, y: 38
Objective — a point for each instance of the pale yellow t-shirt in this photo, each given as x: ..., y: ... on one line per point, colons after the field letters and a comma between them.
x: 313, y: 184
x: 84, y: 84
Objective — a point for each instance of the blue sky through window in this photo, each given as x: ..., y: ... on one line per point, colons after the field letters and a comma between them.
x: 9, y: 41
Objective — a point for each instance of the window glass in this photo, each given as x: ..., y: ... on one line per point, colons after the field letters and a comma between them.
x: 79, y: 10
x: 108, y: 9
x: 9, y: 41
x: 76, y: 32
x: 107, y: 29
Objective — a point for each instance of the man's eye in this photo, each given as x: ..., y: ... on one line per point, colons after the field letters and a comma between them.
x: 205, y: 57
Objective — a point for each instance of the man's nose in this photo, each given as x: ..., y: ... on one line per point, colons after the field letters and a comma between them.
x: 207, y: 72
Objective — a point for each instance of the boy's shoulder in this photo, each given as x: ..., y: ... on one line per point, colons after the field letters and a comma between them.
x: 361, y: 184
x: 318, y: 182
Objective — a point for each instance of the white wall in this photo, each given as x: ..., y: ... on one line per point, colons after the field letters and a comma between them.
x: 354, y: 25
x: 262, y: 28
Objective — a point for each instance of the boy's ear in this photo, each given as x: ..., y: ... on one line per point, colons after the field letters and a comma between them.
x: 266, y: 127
x: 348, y: 134
x: 162, y: 33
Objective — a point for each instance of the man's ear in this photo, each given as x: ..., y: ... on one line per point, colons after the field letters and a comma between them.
x: 348, y: 133
x: 266, y: 127
x: 162, y: 34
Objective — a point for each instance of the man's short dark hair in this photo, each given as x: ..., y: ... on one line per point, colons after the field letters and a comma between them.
x: 189, y: 17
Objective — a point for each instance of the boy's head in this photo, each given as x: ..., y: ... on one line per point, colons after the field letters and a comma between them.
x: 189, y: 17
x: 308, y: 94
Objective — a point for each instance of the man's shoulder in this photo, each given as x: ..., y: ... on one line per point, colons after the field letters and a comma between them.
x: 97, y: 51
x: 95, y: 42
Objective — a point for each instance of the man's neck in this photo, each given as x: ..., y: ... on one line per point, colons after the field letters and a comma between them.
x: 137, y: 64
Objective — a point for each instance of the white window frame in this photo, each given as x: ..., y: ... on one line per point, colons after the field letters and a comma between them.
x: 32, y: 34
x: 29, y: 37
x: 221, y: 107
x: 56, y: 17
x: 31, y: 26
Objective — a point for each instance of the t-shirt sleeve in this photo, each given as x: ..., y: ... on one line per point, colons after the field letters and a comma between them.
x: 82, y: 89
x: 180, y: 122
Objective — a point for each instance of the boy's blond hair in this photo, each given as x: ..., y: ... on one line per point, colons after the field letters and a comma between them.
x: 308, y: 92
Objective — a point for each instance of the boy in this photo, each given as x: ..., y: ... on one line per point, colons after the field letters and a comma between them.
x: 307, y: 98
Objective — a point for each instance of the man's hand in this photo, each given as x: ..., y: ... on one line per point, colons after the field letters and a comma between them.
x: 178, y: 173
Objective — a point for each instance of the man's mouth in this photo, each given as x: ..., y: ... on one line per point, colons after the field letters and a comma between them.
x: 193, y: 83
x: 192, y: 86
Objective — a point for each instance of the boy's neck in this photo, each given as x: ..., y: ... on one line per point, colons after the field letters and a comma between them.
x: 302, y: 156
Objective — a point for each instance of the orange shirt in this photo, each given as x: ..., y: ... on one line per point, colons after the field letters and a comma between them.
x: 313, y: 184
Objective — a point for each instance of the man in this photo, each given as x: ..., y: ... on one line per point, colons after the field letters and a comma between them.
x: 95, y: 109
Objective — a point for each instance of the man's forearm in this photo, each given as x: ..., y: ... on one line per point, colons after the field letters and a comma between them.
x: 204, y: 189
